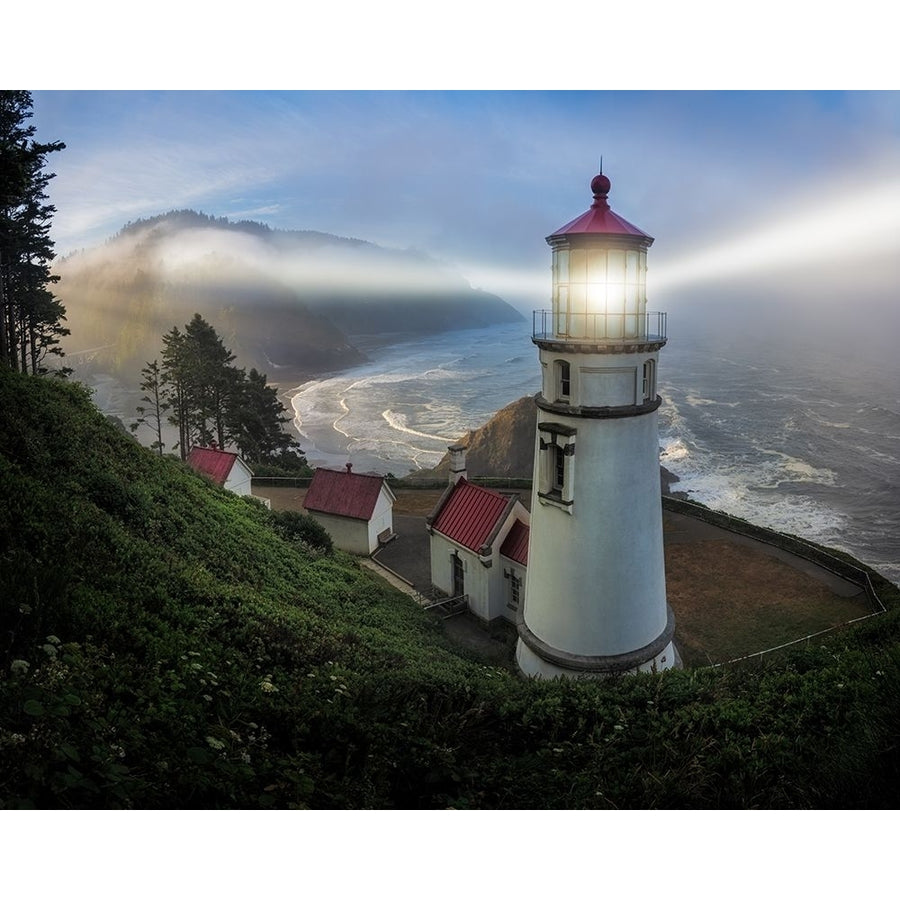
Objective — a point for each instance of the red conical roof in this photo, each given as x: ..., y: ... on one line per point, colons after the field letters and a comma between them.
x: 600, y: 219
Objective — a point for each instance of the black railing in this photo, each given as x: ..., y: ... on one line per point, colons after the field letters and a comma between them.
x: 548, y: 325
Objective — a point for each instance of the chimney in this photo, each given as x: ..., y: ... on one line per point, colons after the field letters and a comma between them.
x: 349, y: 467
x: 457, y: 463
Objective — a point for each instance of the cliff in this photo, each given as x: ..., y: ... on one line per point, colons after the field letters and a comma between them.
x: 504, y: 448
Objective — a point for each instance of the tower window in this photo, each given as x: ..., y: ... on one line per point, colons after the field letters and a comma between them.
x: 563, y: 380
x: 557, y: 446
x: 559, y: 468
x: 649, y: 383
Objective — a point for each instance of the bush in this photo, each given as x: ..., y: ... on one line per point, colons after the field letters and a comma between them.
x: 295, y: 526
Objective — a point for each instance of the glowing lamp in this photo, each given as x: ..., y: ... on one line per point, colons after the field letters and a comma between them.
x: 599, y: 276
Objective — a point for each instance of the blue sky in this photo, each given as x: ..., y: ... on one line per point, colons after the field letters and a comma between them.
x: 729, y: 183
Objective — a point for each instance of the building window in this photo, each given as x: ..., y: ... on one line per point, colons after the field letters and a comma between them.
x: 515, y: 589
x: 459, y: 584
x: 563, y: 381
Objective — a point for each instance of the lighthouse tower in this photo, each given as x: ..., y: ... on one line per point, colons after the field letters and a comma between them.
x: 595, y: 595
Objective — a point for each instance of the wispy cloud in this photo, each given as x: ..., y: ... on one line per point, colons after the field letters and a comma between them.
x: 479, y: 178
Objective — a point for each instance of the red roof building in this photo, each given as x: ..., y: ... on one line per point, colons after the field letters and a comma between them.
x: 224, y: 468
x: 355, y: 509
x: 470, y: 529
x: 471, y: 515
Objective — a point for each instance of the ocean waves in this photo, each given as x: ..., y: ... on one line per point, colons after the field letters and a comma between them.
x: 782, y: 439
x: 399, y: 412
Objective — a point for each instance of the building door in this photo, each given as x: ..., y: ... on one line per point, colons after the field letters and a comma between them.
x: 459, y: 587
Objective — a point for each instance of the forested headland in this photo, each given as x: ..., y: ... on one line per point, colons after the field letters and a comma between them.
x: 289, y: 303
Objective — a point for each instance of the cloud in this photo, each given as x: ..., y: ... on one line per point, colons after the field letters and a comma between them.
x: 480, y: 178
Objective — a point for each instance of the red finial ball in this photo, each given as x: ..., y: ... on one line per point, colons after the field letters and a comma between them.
x: 600, y: 184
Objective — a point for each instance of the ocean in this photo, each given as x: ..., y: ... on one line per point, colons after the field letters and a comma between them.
x: 796, y: 429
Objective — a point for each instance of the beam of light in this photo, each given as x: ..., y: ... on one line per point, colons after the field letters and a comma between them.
x: 509, y: 282
x: 845, y: 230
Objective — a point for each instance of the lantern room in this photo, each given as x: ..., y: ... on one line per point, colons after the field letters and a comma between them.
x: 599, y: 269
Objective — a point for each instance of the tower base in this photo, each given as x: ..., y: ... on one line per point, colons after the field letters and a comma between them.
x: 538, y: 659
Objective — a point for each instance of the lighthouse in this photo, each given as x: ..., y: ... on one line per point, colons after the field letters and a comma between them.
x: 595, y: 597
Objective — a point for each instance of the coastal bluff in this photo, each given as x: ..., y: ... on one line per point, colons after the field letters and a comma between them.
x: 504, y: 448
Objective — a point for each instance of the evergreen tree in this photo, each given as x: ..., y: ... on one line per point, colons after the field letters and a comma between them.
x: 155, y: 396
x: 30, y: 317
x: 211, y: 379
x: 176, y: 386
x: 257, y: 420
x: 211, y: 401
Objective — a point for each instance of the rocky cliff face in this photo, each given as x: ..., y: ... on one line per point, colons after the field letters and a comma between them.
x: 504, y: 447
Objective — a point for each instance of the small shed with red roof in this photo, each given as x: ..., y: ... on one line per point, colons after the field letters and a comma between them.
x: 224, y: 468
x: 355, y: 509
x: 479, y: 548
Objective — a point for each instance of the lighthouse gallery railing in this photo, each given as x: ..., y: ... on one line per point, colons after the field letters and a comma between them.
x: 550, y: 325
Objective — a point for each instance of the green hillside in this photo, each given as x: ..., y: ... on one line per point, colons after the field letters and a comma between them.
x: 161, y: 645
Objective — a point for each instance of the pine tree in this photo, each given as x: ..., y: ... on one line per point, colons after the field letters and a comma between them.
x: 211, y: 401
x: 154, y: 396
x: 257, y: 420
x: 174, y: 375
x: 30, y: 317
x: 211, y: 380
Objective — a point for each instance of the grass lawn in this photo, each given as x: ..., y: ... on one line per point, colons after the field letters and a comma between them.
x: 731, y: 600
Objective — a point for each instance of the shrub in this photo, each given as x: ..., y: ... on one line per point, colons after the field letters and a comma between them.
x: 295, y: 526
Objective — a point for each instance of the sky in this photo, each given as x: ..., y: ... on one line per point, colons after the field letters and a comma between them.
x: 784, y: 188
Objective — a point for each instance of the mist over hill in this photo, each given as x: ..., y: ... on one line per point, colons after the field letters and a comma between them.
x: 287, y: 302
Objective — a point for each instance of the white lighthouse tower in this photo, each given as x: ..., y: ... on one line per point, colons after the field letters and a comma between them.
x: 595, y: 595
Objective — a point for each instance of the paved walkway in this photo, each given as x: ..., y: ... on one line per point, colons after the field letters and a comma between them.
x: 408, y: 554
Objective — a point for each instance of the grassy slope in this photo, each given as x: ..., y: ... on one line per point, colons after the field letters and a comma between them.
x: 181, y: 654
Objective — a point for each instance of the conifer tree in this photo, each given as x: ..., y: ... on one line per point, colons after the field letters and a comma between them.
x: 157, y: 405
x: 211, y: 379
x: 30, y: 316
x: 257, y: 420
x: 211, y: 401
x: 176, y: 386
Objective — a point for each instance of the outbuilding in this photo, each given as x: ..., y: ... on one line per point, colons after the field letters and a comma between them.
x: 479, y: 549
x: 355, y: 509
x: 224, y: 468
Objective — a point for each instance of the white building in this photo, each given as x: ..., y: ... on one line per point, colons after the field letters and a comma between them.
x: 478, y: 541
x: 226, y: 469
x: 595, y: 598
x: 355, y: 509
